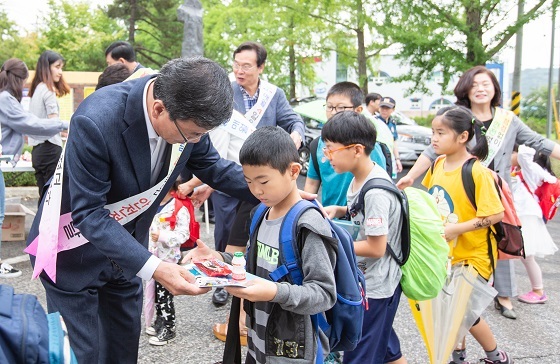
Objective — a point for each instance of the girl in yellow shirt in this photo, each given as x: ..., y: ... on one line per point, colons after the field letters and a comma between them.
x: 453, y: 128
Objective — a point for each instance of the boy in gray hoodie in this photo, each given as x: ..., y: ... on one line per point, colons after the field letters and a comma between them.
x: 278, y: 313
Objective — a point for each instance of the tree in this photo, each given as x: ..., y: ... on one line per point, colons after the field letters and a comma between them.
x: 450, y: 36
x: 352, y: 31
x: 287, y: 35
x: 153, y: 28
x: 79, y: 33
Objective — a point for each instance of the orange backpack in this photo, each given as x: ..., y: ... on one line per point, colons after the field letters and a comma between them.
x: 507, y: 232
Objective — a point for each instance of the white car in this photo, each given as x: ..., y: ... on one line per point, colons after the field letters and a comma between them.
x: 413, y: 138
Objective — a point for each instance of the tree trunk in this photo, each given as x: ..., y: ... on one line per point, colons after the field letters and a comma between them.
x: 292, y: 60
x: 132, y: 21
x: 474, y: 36
x: 362, y: 65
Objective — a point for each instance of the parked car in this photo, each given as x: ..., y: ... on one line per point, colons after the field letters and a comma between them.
x: 312, y: 111
x: 413, y: 138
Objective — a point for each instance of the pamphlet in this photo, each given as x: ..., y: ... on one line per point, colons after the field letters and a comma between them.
x: 349, y: 226
x: 204, y: 280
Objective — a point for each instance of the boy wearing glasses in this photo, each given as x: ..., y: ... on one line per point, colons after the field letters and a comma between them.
x: 349, y: 139
x: 342, y: 96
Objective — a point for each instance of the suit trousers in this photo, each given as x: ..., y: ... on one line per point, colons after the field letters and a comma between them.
x: 103, y: 319
x: 224, y: 213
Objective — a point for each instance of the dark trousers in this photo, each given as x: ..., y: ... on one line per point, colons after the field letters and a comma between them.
x: 44, y: 160
x: 103, y: 319
x: 165, y: 308
x: 224, y: 213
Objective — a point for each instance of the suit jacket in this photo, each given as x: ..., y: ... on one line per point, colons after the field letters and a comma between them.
x: 107, y: 160
x: 278, y: 113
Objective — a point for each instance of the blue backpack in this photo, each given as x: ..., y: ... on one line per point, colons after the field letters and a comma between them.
x: 342, y: 324
x: 27, y: 334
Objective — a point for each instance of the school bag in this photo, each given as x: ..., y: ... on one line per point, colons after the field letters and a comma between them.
x: 548, y: 195
x: 506, y: 232
x: 424, y: 250
x: 28, y: 335
x: 384, y: 148
x: 194, y: 226
x: 342, y: 324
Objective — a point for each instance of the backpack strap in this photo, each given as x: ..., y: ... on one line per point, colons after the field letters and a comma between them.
x: 470, y: 188
x: 313, y: 146
x: 384, y: 184
x: 289, y: 232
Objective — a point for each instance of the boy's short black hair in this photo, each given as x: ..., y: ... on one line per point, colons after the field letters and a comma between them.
x: 373, y: 96
x: 350, y: 127
x: 348, y: 89
x: 269, y: 146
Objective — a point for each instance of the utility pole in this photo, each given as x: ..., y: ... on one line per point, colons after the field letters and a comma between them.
x: 551, y: 68
x: 516, y: 85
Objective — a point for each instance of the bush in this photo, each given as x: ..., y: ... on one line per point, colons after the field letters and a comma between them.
x: 424, y: 120
x: 536, y: 124
x: 20, y: 179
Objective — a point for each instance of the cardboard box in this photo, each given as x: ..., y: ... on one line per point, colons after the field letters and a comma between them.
x: 13, y: 228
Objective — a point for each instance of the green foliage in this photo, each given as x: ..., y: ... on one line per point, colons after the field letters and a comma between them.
x: 450, y: 36
x: 424, y: 120
x: 534, y: 105
x: 16, y: 179
x: 272, y: 23
x: 79, y: 33
x: 152, y: 27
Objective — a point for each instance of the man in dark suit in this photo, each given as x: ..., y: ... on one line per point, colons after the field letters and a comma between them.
x: 119, y: 146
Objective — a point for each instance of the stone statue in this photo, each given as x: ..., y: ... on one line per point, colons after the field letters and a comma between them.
x: 190, y: 13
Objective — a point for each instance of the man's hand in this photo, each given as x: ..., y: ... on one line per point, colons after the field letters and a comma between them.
x: 200, y: 253
x: 296, y: 137
x: 200, y: 195
x: 307, y: 195
x: 257, y: 290
x: 184, y: 189
x: 177, y: 280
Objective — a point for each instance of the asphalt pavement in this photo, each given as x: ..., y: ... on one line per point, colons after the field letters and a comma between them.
x: 530, y: 339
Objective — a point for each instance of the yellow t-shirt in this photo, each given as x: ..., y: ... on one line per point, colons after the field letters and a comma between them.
x: 446, y: 187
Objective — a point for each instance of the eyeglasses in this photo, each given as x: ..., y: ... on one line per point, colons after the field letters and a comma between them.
x: 329, y: 153
x: 330, y: 108
x: 236, y: 66
x: 191, y: 139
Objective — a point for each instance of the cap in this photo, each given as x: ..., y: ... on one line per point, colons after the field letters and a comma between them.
x: 387, y: 102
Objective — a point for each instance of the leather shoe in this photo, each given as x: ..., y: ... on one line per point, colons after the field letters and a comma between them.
x: 506, y: 312
x: 220, y: 297
x: 220, y: 332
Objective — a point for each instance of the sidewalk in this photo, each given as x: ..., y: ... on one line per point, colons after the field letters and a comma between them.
x: 531, y: 339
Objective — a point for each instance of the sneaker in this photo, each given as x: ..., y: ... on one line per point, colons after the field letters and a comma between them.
x: 165, y: 336
x: 532, y: 297
x: 156, y: 326
x: 505, y: 359
x: 7, y: 271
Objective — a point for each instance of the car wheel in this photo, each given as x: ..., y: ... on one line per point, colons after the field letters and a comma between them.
x: 304, y: 153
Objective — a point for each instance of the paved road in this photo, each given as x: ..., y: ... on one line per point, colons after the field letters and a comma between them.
x: 531, y: 339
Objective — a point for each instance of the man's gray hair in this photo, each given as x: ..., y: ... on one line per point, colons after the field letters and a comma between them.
x: 195, y: 89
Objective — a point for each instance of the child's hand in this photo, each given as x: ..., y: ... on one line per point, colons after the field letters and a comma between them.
x: 334, y: 211
x: 154, y: 234
x: 257, y: 290
x: 200, y: 253
x: 451, y: 232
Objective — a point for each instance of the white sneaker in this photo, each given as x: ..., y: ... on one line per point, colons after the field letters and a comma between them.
x: 7, y: 271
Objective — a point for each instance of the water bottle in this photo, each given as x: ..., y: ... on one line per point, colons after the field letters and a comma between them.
x: 238, y: 267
